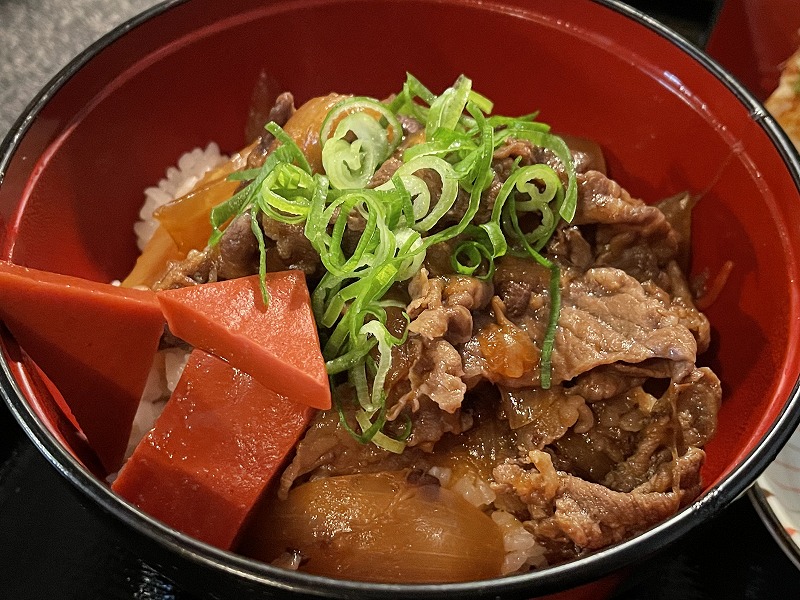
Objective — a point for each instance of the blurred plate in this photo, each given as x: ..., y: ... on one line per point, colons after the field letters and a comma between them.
x: 776, y: 497
x: 752, y: 39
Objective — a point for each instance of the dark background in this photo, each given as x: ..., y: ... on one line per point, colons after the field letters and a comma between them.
x: 53, y: 544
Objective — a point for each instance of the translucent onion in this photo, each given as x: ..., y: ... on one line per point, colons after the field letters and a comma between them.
x: 184, y: 222
x: 154, y: 259
x: 304, y: 125
x: 379, y: 527
x: 186, y: 219
x: 508, y: 350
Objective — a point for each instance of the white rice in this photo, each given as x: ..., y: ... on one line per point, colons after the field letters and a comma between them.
x: 522, y: 552
x: 178, y: 182
x: 443, y: 474
x: 474, y: 489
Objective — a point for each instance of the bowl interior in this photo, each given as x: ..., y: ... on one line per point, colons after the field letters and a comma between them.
x: 75, y: 182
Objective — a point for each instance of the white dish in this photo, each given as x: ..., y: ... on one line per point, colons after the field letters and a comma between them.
x: 776, y: 497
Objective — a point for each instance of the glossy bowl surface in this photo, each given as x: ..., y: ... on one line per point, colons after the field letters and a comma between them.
x: 73, y: 169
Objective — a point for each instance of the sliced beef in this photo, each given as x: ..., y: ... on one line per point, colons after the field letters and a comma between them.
x: 678, y: 211
x: 570, y: 248
x: 602, y: 201
x: 629, y: 234
x: 279, y: 113
x: 470, y: 292
x: 453, y: 323
x: 586, y: 155
x: 523, y: 150
x: 532, y: 479
x: 236, y: 255
x: 441, y: 307
x: 436, y: 375
x: 411, y: 127
x: 238, y: 249
x: 515, y: 295
x: 428, y: 368
x: 636, y: 436
x: 328, y: 449
x: 463, y: 199
x: 482, y: 446
x: 515, y: 279
x: 198, y: 267
x: 292, y: 246
x: 697, y: 400
x: 654, y: 448
x: 606, y: 317
x: 430, y: 422
x: 613, y: 436
x: 387, y: 170
x: 569, y: 514
x: 594, y: 516
x: 538, y: 417
x: 683, y: 303
x: 605, y: 382
x: 682, y: 474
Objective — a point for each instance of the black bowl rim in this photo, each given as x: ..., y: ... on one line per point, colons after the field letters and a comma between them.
x: 552, y: 579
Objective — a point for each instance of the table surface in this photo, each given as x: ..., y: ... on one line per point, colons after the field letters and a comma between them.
x: 54, y: 545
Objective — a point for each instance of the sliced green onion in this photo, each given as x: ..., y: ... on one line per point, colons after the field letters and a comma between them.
x: 351, y: 164
x: 476, y: 180
x: 424, y: 217
x: 255, y: 227
x: 542, y: 186
x: 481, y: 101
x: 358, y: 105
x: 446, y: 111
x: 473, y: 254
x: 244, y: 199
x: 545, y: 361
x: 379, y: 438
x: 401, y: 220
x: 561, y: 150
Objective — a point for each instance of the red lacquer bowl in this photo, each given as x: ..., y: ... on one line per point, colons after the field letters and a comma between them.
x: 669, y: 119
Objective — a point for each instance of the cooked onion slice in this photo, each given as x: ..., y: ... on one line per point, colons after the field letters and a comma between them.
x: 379, y: 527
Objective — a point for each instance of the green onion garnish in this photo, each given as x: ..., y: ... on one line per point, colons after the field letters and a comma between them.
x: 402, y: 219
x: 351, y: 164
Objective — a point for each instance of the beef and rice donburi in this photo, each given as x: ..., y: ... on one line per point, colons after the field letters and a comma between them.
x: 508, y: 337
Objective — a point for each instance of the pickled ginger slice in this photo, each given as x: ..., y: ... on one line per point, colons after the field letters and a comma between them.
x: 277, y: 343
x: 94, y: 341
